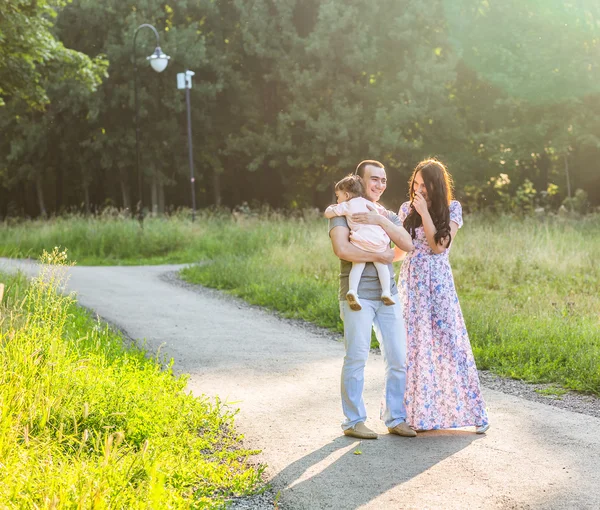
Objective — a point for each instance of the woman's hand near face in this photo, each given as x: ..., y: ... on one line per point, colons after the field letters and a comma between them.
x: 420, y: 204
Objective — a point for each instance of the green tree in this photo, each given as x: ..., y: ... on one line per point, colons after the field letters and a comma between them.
x: 289, y: 95
x: 342, y: 81
x: 528, y: 87
x: 29, y: 51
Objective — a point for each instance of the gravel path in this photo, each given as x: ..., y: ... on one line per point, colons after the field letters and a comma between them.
x: 284, y: 378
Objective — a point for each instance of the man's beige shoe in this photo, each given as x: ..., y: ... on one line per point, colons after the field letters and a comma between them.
x: 402, y: 429
x: 361, y: 431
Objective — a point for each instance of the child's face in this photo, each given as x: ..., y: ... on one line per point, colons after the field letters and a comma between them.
x: 342, y: 196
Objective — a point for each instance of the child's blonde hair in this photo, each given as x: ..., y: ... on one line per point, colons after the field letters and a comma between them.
x: 351, y: 184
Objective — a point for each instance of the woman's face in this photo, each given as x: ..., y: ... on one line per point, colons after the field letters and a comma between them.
x: 419, y: 187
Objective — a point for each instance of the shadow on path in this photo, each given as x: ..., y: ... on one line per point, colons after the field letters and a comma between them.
x: 344, y: 474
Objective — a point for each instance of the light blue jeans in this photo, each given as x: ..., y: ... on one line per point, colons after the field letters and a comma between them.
x: 389, y: 328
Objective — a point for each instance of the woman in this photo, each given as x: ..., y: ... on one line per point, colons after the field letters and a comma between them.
x: 442, y: 381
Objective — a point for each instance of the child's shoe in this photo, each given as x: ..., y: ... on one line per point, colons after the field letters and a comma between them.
x: 353, y: 301
x: 387, y: 299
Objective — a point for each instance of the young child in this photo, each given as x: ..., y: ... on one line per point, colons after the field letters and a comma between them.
x: 350, y: 200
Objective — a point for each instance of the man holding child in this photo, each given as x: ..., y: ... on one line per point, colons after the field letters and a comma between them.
x: 373, y: 311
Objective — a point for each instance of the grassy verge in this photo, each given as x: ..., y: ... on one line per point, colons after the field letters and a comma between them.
x: 285, y: 265
x: 528, y: 287
x: 529, y: 290
x: 106, y: 240
x: 119, y: 240
x: 88, y: 423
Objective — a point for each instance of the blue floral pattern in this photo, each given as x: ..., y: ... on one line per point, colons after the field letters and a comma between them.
x: 442, y: 389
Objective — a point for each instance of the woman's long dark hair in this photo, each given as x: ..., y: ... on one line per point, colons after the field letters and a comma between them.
x: 439, y: 193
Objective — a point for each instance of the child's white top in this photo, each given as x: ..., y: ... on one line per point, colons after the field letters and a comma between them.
x: 366, y: 237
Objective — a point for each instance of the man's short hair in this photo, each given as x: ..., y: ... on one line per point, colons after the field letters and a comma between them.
x: 360, y: 169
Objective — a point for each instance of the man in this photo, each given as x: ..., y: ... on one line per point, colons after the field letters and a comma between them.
x: 387, y: 320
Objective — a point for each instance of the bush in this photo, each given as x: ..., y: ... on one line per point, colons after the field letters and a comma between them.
x: 578, y: 203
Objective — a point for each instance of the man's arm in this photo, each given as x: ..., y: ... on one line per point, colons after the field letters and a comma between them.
x: 397, y: 233
x: 345, y: 250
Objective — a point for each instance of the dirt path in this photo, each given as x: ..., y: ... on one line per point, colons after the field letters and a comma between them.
x: 285, y: 380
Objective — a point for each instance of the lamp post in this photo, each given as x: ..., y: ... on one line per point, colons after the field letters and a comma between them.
x: 184, y: 81
x: 158, y: 61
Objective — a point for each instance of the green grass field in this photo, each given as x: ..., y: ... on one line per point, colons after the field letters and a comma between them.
x: 87, y: 422
x: 528, y: 286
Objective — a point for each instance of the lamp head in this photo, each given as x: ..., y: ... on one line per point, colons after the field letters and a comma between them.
x: 158, y: 60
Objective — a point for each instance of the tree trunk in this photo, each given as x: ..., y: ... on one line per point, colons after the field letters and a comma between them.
x: 86, y: 198
x: 161, y: 198
x: 568, y: 176
x: 40, y: 196
x: 60, y: 205
x: 217, y: 188
x: 154, y: 196
x: 125, y: 194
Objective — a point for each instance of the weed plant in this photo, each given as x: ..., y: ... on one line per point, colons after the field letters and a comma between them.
x: 87, y: 422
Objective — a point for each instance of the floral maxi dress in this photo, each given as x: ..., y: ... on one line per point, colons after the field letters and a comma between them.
x: 442, y: 388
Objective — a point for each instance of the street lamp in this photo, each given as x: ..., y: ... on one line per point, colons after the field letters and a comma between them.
x: 184, y: 81
x: 158, y: 61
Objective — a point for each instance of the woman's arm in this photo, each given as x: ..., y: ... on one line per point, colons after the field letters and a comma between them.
x: 398, y: 254
x: 420, y: 205
x: 345, y: 250
x: 430, y: 232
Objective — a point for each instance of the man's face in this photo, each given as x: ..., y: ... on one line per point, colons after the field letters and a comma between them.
x: 375, y: 182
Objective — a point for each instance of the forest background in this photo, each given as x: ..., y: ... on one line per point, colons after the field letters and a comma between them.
x: 290, y: 94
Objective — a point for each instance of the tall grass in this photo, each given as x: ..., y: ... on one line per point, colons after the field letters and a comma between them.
x: 530, y: 293
x: 286, y: 265
x: 105, y: 241
x: 88, y: 423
